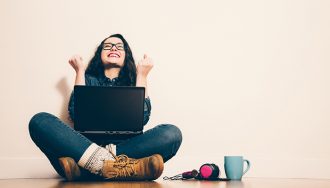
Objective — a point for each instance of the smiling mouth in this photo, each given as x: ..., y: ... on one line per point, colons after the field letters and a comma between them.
x: 113, y: 55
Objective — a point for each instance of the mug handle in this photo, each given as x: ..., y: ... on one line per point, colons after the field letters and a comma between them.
x: 248, y: 166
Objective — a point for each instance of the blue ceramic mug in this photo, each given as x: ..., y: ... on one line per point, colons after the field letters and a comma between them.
x: 234, y: 167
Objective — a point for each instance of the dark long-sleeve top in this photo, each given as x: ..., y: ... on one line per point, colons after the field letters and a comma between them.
x: 105, y: 81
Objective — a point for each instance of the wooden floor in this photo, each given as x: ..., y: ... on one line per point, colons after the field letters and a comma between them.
x: 245, y: 183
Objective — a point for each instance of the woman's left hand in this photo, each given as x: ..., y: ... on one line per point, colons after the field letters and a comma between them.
x: 144, y: 66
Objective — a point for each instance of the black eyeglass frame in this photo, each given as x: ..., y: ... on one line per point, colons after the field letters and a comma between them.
x: 122, y: 47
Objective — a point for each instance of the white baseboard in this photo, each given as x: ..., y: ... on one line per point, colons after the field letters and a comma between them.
x: 260, y: 167
x: 39, y: 167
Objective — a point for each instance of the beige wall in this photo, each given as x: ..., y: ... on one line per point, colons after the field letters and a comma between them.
x: 238, y: 77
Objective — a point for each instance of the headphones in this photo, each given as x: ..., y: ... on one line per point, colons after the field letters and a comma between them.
x: 206, y: 172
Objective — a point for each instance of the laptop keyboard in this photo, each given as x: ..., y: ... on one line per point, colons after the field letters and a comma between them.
x: 112, y: 132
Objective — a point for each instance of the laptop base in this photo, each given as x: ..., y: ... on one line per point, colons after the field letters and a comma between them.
x: 105, y: 139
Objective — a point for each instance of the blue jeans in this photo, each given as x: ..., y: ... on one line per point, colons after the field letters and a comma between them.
x: 56, y: 139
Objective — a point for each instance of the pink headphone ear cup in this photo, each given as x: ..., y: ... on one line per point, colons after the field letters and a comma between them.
x: 209, y: 171
x: 206, y: 171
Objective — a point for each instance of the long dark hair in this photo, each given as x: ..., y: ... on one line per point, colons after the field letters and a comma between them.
x: 127, y: 74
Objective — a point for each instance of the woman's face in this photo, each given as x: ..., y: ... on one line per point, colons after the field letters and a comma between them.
x: 113, y: 52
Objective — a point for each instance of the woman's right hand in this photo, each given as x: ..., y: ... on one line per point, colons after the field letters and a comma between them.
x: 76, y: 62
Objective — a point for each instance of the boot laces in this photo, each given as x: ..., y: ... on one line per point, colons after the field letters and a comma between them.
x: 124, y: 166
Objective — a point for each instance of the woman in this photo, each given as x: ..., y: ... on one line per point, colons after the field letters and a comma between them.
x: 77, y: 157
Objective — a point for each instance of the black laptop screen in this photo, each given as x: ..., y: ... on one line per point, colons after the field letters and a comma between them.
x: 100, y: 108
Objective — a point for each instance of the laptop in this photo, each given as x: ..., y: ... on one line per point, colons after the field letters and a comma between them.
x: 109, y: 110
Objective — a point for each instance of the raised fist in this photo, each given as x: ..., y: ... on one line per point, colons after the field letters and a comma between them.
x: 76, y: 62
x: 144, y: 66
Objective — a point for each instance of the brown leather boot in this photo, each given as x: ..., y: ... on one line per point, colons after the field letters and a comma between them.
x: 124, y: 168
x: 70, y: 168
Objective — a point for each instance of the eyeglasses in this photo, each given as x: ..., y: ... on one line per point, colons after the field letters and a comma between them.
x: 109, y: 46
